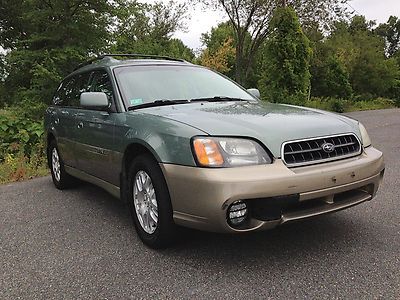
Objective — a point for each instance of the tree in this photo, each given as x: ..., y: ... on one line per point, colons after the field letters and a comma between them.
x: 390, y: 31
x: 329, y: 77
x: 251, y: 17
x: 217, y: 36
x: 286, y: 75
x: 45, y: 40
x: 219, y: 59
x: 357, y: 46
x: 41, y: 24
x: 220, y: 51
x: 147, y: 28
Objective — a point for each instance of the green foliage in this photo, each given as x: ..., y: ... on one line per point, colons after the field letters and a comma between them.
x: 340, y: 105
x: 37, y: 24
x: 286, y: 76
x: 390, y: 31
x: 45, y: 40
x: 362, y: 52
x: 22, y: 147
x: 216, y: 41
x: 42, y: 52
x: 352, y: 62
x: 19, y: 134
x: 145, y: 28
x: 329, y: 76
x: 251, y: 18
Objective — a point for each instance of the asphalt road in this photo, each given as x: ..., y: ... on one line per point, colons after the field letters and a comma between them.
x: 80, y: 244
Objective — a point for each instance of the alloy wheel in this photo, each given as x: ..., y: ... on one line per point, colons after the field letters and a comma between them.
x: 145, y: 202
x: 55, y: 162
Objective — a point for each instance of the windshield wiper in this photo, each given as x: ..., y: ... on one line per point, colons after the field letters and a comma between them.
x: 164, y: 102
x: 217, y: 99
x: 158, y: 103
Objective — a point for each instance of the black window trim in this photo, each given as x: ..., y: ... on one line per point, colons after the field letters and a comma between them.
x: 91, y: 73
x: 64, y: 81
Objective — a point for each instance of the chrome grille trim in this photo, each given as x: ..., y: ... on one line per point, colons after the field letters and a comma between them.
x: 309, y: 151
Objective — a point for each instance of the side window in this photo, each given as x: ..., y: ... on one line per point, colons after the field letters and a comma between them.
x: 82, y: 85
x: 101, y: 83
x: 59, y: 96
x: 69, y: 91
x: 76, y: 87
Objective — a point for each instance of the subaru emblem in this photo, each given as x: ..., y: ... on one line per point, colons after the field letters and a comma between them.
x: 328, y: 147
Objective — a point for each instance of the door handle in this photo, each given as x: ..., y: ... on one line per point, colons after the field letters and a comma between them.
x: 80, y: 125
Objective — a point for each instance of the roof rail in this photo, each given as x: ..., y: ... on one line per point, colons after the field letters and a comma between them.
x: 134, y: 55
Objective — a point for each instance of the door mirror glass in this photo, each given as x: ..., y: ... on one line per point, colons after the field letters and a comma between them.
x: 254, y: 92
x: 94, y: 99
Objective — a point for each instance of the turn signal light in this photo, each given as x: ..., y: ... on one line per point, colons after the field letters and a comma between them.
x: 207, y: 152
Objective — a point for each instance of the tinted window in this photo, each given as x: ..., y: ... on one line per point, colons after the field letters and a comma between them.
x: 59, y: 96
x: 101, y: 83
x: 68, y: 93
x: 81, y: 86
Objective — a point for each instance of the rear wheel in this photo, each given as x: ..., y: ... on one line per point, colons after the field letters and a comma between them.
x: 150, y: 203
x: 61, y: 179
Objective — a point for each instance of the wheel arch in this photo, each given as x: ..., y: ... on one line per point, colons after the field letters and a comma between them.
x: 49, y: 139
x: 133, y: 150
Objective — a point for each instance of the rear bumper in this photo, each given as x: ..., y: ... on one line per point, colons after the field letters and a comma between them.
x: 200, y: 196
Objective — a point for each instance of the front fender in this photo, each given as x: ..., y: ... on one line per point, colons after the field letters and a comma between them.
x: 168, y: 140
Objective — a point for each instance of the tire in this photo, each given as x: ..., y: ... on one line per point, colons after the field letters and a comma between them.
x: 61, y: 179
x: 149, y: 199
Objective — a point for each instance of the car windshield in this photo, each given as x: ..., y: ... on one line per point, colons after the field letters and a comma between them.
x: 146, y: 84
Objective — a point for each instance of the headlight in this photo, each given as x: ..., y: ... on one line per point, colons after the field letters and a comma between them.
x: 228, y: 152
x: 364, y: 136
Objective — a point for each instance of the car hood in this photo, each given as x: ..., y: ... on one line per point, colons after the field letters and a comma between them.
x: 272, y: 124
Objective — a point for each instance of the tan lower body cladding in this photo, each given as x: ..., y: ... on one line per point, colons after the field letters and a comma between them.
x: 201, y: 196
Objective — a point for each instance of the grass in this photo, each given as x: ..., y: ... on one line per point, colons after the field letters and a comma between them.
x: 17, y: 167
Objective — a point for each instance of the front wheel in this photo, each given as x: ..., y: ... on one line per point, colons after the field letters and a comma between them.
x: 150, y: 203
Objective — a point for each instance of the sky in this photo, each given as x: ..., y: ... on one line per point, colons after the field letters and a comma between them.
x: 202, y: 20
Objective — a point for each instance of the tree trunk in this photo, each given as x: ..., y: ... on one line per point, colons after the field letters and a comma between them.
x: 239, y: 64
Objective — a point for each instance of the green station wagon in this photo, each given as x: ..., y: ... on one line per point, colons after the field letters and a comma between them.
x: 185, y: 146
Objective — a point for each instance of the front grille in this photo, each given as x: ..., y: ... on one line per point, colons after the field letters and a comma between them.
x: 310, y: 151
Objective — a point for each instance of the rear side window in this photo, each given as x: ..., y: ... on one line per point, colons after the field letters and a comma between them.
x: 69, y: 91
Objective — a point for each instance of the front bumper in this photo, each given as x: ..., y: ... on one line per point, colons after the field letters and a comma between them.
x: 200, y: 196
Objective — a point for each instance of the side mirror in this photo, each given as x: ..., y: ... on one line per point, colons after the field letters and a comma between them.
x: 94, y: 99
x: 254, y: 92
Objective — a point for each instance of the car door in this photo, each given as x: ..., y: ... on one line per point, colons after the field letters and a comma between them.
x: 95, y: 130
x: 63, y: 116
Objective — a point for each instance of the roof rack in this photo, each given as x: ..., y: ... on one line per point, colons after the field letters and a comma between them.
x: 134, y: 55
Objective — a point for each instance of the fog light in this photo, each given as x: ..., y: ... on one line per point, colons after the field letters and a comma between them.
x: 237, y: 213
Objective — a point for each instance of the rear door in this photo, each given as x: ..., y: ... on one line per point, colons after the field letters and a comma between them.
x: 95, y: 132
